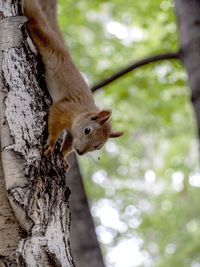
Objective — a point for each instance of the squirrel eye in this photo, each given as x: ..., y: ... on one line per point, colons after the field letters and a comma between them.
x: 87, y: 130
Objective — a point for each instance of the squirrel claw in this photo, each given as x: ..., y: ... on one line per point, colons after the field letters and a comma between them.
x: 48, y: 150
x: 45, y: 146
x: 67, y: 166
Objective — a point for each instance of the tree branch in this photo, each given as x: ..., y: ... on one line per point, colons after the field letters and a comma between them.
x: 117, y: 75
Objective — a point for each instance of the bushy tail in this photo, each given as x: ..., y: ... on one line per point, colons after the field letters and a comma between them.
x: 37, y: 23
x: 46, y: 8
x: 49, y: 9
x: 31, y: 9
x: 42, y: 25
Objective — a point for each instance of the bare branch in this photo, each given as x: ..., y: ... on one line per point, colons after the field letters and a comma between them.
x: 137, y: 64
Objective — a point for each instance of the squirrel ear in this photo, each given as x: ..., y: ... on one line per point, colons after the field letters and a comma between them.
x: 116, y: 134
x: 102, y: 116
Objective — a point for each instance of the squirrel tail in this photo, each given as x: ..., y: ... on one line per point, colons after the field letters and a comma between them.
x: 42, y: 25
x: 31, y: 9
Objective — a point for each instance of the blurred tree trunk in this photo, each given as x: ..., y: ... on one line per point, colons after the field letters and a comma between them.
x: 84, y: 244
x: 188, y: 15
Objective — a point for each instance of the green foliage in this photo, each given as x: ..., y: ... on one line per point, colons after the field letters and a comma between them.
x: 149, y: 177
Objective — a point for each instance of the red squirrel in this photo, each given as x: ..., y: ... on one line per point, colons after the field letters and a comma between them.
x: 73, y: 108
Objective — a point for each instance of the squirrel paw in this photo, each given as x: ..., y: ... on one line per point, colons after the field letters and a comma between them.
x: 48, y: 150
x: 67, y: 165
x: 49, y: 147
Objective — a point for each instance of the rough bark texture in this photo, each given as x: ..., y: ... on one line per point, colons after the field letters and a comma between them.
x: 188, y: 14
x: 84, y: 244
x: 36, y: 186
x: 9, y: 227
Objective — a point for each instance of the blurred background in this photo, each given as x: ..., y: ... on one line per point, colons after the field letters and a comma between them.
x: 143, y: 188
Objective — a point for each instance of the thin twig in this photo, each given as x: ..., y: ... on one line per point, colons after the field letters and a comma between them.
x: 117, y: 75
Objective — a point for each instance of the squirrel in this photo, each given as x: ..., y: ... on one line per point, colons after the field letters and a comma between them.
x: 73, y: 108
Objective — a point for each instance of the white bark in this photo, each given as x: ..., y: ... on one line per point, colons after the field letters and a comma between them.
x: 9, y: 228
x: 35, y: 185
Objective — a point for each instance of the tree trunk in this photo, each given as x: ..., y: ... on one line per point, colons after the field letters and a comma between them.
x: 84, y: 244
x: 188, y: 15
x: 36, y: 186
x: 9, y: 227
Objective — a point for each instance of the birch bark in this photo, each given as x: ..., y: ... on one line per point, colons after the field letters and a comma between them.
x: 36, y: 187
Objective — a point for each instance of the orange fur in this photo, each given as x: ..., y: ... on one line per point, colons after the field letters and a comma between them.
x: 74, y: 108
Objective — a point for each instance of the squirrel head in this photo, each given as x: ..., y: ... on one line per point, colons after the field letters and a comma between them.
x: 91, y: 131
